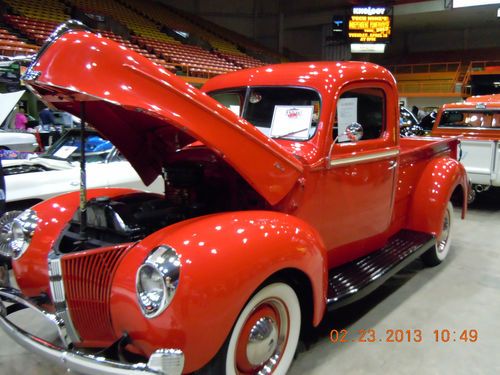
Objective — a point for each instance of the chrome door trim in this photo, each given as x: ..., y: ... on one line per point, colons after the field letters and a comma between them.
x: 364, y: 158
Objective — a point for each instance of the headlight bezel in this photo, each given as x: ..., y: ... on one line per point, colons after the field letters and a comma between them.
x: 22, y: 231
x: 165, y: 263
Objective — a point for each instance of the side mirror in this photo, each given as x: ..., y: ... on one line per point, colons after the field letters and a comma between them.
x: 353, y: 132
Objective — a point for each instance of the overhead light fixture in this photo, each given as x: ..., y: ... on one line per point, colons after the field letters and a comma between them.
x: 472, y: 3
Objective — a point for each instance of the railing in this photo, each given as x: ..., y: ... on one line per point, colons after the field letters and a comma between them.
x: 432, y: 78
x: 475, y: 66
x: 423, y: 87
x: 425, y: 68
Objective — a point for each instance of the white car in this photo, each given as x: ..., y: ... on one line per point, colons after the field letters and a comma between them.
x: 14, y: 140
x: 18, y: 141
x: 57, y: 171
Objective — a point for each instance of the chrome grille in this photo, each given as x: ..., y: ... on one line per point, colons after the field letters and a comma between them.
x: 58, y: 296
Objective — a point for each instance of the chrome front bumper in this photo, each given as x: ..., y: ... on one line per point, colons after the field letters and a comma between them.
x: 161, y: 362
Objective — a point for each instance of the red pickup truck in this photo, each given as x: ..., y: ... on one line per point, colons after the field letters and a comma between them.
x: 287, y: 192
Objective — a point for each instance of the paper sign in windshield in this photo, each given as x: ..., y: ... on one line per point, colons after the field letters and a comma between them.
x: 65, y: 151
x: 347, y: 113
x: 235, y: 109
x: 292, y: 121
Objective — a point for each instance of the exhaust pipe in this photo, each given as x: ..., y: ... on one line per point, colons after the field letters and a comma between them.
x: 481, y: 188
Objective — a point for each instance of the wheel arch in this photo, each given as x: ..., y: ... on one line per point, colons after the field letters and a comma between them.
x: 443, y: 179
x: 303, y: 287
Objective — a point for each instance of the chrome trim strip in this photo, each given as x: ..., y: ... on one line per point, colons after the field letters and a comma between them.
x: 31, y: 74
x: 162, y: 362
x: 364, y: 158
x: 15, y: 296
x: 56, y: 284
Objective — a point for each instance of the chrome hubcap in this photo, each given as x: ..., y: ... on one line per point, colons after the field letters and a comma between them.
x: 262, y: 341
x: 445, y: 233
x: 263, y: 338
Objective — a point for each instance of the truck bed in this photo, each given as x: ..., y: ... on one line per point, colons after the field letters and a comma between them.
x: 426, y: 146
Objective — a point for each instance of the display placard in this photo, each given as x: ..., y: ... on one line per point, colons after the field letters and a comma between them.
x: 370, y: 24
x: 347, y: 114
x: 294, y: 121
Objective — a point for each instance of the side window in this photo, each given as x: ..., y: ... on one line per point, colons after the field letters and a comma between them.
x: 231, y: 99
x: 365, y: 106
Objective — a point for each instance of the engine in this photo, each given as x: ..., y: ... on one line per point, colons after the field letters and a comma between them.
x: 192, y: 189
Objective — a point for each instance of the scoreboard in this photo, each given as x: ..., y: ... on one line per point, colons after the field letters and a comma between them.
x: 370, y: 25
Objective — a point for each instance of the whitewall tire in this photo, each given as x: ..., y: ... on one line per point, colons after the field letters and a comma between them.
x: 439, y: 252
x: 265, y: 336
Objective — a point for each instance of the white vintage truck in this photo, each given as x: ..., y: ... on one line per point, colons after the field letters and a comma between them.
x: 477, y: 122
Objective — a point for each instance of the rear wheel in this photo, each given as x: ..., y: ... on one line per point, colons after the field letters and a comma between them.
x: 265, y: 336
x: 440, y: 250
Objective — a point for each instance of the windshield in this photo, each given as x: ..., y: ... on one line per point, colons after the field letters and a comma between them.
x: 470, y: 119
x: 68, y: 147
x: 278, y: 112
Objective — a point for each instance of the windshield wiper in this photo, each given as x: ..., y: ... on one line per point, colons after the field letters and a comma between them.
x: 290, y: 133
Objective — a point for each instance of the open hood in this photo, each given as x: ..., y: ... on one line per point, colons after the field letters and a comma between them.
x: 149, y: 113
x: 8, y: 102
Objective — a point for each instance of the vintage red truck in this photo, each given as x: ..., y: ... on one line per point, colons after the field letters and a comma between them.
x: 287, y: 192
x: 476, y: 122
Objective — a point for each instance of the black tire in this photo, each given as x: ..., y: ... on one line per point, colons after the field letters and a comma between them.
x: 438, y: 253
x: 268, y: 328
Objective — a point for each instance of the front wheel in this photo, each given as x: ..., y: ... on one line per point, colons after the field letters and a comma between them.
x: 440, y: 250
x: 265, y: 336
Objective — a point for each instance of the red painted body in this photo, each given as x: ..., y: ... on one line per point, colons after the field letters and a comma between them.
x: 317, y: 216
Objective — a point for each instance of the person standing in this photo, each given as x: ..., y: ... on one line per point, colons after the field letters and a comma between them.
x: 47, y: 119
x: 20, y: 119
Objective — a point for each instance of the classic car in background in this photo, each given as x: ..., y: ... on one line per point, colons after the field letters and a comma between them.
x: 477, y: 122
x: 306, y: 201
x: 57, y: 170
x: 409, y: 126
x: 12, y: 139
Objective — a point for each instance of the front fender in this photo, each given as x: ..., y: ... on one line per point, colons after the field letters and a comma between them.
x: 437, y: 183
x: 53, y: 214
x: 224, y: 259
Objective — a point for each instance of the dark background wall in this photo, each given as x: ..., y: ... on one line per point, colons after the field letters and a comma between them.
x: 301, y: 26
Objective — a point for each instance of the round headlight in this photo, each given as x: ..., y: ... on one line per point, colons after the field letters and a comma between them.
x: 23, y: 228
x: 157, y: 280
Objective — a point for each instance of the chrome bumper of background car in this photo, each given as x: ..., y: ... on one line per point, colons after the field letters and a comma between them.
x: 161, y: 362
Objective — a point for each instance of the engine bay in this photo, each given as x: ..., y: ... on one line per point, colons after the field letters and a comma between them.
x: 192, y: 188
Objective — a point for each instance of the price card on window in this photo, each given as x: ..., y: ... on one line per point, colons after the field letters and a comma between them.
x: 347, y: 113
x: 235, y: 109
x: 65, y: 151
x: 291, y: 121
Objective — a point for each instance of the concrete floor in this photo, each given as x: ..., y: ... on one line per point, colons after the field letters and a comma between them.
x: 461, y: 294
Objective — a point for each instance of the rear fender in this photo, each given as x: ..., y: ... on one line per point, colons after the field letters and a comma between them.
x: 224, y: 259
x: 439, y: 180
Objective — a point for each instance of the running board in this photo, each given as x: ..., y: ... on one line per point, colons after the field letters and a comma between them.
x: 355, y: 280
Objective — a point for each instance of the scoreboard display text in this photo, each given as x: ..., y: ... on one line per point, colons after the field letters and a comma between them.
x: 370, y: 25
